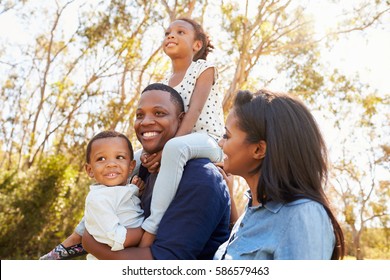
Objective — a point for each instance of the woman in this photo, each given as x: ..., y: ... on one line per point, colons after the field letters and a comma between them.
x: 273, y: 142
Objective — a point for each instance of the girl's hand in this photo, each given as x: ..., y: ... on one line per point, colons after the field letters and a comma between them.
x: 151, y: 162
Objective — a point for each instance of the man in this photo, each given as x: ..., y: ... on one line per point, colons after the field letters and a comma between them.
x: 197, y: 220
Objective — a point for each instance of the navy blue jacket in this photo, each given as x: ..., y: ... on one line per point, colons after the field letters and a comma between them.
x: 197, y: 221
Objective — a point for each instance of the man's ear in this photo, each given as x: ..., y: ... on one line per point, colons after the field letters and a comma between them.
x: 88, y: 169
x: 181, y: 117
x: 260, y: 150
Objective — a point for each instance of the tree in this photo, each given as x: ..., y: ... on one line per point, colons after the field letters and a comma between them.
x: 283, y: 30
x: 84, y: 64
x: 356, y: 177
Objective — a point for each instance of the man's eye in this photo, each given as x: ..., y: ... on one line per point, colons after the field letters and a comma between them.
x: 139, y: 116
x: 120, y: 157
x: 101, y: 159
x: 160, y: 114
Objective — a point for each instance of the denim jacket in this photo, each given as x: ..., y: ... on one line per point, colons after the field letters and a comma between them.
x: 286, y: 231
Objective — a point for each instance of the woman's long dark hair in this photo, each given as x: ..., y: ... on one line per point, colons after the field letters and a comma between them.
x: 295, y: 164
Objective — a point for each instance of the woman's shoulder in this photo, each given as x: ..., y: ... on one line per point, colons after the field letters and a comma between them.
x: 306, y: 207
x: 304, y: 202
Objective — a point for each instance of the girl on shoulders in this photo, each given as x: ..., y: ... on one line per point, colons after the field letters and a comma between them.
x: 187, y: 45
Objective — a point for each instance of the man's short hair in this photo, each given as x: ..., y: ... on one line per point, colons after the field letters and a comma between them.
x: 175, y: 96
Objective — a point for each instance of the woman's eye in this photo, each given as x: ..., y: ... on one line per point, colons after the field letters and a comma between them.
x: 139, y: 116
x: 160, y: 114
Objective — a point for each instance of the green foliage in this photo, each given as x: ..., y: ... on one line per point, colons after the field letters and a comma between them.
x: 39, y: 208
x: 375, y: 244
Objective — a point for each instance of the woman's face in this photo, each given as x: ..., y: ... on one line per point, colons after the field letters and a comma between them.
x: 240, y: 156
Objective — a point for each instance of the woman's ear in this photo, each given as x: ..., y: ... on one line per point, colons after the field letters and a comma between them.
x: 260, y: 150
x: 88, y: 169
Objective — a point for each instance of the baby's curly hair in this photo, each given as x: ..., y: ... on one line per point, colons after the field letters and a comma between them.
x: 108, y: 134
x: 207, y: 47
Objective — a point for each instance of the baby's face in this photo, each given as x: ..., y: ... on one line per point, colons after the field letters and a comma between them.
x: 110, y: 162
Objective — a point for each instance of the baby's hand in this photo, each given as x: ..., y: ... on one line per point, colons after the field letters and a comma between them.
x: 139, y: 183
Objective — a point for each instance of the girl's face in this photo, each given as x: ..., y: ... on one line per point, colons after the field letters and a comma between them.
x: 241, y: 157
x: 110, y: 162
x: 179, y: 40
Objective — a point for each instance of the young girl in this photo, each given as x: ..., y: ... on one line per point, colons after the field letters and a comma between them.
x: 195, y: 79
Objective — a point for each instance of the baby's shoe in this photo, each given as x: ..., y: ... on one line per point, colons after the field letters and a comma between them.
x: 62, y: 253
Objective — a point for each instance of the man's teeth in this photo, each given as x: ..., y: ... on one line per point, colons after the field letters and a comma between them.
x: 150, y: 134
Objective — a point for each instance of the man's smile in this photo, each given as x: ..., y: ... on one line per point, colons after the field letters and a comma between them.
x: 150, y: 134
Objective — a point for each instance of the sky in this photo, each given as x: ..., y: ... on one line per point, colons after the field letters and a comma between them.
x: 368, y: 55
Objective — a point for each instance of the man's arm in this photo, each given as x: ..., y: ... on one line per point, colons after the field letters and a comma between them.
x: 103, y: 251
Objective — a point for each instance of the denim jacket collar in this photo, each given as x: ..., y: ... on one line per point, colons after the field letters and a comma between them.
x: 273, y: 206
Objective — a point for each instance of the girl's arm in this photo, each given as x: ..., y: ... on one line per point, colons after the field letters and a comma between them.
x: 198, y: 99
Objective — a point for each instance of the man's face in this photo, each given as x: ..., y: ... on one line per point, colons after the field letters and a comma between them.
x: 157, y: 120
